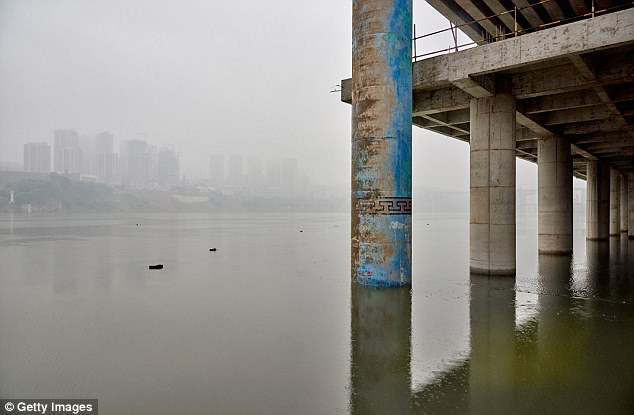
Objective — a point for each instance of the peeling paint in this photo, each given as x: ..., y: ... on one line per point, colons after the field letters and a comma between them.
x: 381, y: 142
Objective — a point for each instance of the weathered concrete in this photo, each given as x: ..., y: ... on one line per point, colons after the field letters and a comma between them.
x: 584, y: 36
x: 630, y: 205
x: 615, y: 202
x: 624, y: 201
x: 492, y: 185
x: 597, y: 200
x: 381, y: 141
x: 554, y: 177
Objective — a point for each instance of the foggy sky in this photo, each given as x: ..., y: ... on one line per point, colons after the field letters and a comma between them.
x: 248, y: 77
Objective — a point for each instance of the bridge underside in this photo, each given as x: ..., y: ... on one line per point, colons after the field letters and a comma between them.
x: 562, y: 97
x: 574, y: 81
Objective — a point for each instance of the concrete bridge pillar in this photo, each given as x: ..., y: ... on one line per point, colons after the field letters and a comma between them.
x: 381, y: 142
x: 597, y: 200
x: 630, y: 205
x: 492, y: 185
x: 554, y: 178
x: 615, y: 202
x: 624, y: 200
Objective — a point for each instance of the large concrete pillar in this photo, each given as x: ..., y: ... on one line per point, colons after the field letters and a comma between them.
x: 597, y: 200
x: 630, y: 205
x: 615, y: 202
x: 381, y: 141
x: 492, y: 185
x: 554, y: 182
x: 624, y: 200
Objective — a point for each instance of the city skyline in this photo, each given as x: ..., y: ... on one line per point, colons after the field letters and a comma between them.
x: 140, y: 163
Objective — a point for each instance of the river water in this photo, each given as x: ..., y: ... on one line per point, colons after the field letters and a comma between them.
x: 270, y: 324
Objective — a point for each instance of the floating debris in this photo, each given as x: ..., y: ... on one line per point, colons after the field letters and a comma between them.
x: 157, y: 266
x: 212, y: 249
x: 301, y: 230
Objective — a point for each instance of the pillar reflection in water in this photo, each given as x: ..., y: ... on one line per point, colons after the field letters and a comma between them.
x: 598, y: 265
x: 571, y: 356
x: 491, y: 371
x: 381, y: 344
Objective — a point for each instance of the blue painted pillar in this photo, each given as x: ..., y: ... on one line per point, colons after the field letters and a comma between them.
x: 381, y: 142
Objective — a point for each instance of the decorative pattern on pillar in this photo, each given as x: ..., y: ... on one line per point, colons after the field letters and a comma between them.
x: 597, y: 200
x: 615, y: 202
x: 492, y: 185
x: 554, y: 182
x: 623, y: 200
x: 381, y: 142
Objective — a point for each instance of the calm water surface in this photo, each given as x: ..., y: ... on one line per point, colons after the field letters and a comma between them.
x: 269, y: 324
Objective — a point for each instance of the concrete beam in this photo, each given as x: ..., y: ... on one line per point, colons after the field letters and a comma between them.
x: 427, y: 121
x: 615, y: 136
x: 603, y: 126
x: 477, y: 14
x: 506, y: 18
x: 528, y: 12
x: 623, y: 93
x: 565, y: 78
x: 440, y: 100
x: 554, y: 11
x: 451, y: 117
x: 526, y: 145
x: 574, y: 38
x: 457, y: 15
x: 532, y: 125
x: 477, y: 86
x: 587, y: 68
x: 525, y: 134
x: 567, y: 100
x: 576, y: 150
x: 577, y: 115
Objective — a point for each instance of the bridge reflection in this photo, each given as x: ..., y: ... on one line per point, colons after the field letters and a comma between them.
x: 572, y: 356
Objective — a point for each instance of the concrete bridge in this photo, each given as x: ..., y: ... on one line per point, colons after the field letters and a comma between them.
x: 550, y: 82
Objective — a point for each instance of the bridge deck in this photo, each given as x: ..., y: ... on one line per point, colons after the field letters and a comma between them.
x: 574, y: 80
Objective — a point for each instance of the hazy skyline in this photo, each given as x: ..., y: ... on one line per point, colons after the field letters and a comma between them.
x: 251, y: 78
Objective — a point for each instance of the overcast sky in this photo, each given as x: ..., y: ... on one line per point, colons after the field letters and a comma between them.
x: 247, y: 77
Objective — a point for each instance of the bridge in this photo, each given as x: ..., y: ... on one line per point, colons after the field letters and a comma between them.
x: 551, y: 82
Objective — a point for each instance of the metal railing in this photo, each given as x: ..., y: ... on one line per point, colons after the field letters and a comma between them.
x: 503, y: 34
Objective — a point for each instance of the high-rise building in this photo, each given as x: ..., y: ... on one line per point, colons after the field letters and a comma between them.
x: 235, y: 176
x: 67, y: 152
x: 105, y: 158
x: 87, y: 155
x: 290, y: 176
x: 168, y: 168
x: 273, y: 173
x: 254, y: 174
x: 217, y: 170
x: 37, y: 157
x: 137, y: 163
